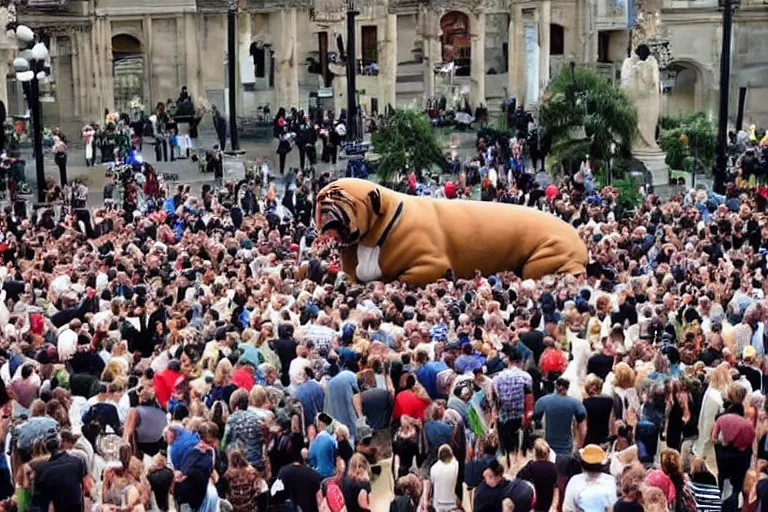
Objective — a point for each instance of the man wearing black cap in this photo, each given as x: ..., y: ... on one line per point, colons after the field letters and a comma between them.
x: 63, y: 480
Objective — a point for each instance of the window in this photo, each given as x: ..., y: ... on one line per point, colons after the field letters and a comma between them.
x: 322, y: 49
x: 556, y: 39
x: 259, y: 60
x: 370, y: 44
x: 271, y: 68
x: 603, y: 44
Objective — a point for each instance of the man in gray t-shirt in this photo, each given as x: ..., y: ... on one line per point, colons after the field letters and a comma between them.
x: 559, y: 411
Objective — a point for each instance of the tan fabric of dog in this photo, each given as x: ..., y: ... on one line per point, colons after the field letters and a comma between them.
x: 424, y: 238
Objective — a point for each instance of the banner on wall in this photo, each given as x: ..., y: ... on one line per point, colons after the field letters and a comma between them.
x: 531, y: 63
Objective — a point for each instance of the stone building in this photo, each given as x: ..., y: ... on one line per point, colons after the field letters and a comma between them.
x: 108, y: 53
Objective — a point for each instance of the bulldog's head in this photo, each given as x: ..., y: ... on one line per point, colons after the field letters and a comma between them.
x: 346, y: 210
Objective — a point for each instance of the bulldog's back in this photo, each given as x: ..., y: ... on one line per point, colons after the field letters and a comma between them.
x: 494, y: 236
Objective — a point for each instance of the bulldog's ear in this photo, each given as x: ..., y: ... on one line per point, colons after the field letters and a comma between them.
x: 375, y: 196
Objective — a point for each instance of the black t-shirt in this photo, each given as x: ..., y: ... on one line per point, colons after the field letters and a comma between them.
x: 709, y: 355
x: 627, y: 506
x: 543, y: 475
x: 60, y: 482
x: 351, y: 490
x: 598, y: 417
x: 600, y: 364
x: 762, y: 494
x: 753, y: 375
x: 488, y: 499
x: 160, y: 481
x: 301, y: 483
x: 286, y: 351
x: 377, y: 407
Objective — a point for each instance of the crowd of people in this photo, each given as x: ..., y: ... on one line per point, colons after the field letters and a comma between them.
x: 302, y: 131
x: 203, y: 353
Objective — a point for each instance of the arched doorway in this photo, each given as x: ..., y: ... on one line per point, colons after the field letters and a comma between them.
x: 456, y: 45
x: 128, y: 71
x: 682, y: 85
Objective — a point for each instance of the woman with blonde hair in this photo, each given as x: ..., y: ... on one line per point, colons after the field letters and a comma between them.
x: 626, y: 402
x: 222, y: 387
x: 443, y: 475
x: 345, y: 449
x: 542, y: 473
x: 356, y: 486
x: 712, y: 405
x: 121, y: 488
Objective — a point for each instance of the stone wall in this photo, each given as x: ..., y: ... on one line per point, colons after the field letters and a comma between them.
x: 496, y: 38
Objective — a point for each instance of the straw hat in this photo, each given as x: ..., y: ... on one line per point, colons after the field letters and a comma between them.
x: 593, y: 454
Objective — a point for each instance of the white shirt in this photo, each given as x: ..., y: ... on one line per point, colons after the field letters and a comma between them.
x: 67, y: 344
x: 590, y: 493
x: 443, y: 476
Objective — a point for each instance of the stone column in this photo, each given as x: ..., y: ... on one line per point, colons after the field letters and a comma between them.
x: 98, y: 92
x: 545, y: 18
x: 192, y: 61
x: 388, y: 70
x: 7, y: 47
x: 514, y: 53
x: 147, y: 26
x: 108, y: 62
x: 287, y: 80
x: 244, y: 72
x: 429, y: 36
x: 477, y: 71
x: 590, y: 33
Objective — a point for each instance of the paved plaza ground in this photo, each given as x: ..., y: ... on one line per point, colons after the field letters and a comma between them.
x: 187, y: 171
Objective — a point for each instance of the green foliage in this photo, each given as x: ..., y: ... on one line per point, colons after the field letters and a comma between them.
x: 669, y: 122
x: 491, y: 134
x: 602, y: 107
x: 629, y: 195
x: 672, y: 142
x: 692, y: 137
x: 405, y: 138
x: 619, y: 168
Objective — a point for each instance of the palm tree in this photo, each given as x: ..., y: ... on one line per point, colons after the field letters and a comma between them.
x: 585, y: 99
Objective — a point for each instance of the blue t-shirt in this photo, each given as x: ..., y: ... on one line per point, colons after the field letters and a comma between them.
x: 311, y: 396
x: 322, y: 454
x: 427, y: 376
x: 559, y: 412
x: 338, y: 404
x: 467, y: 363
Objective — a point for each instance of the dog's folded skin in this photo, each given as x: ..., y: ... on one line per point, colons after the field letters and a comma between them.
x: 419, y: 239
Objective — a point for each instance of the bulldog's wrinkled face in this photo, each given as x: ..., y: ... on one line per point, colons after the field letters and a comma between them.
x: 344, y: 214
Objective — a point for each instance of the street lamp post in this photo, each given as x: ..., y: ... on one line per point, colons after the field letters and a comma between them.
x: 231, y: 72
x: 31, y: 66
x: 721, y: 162
x: 351, y: 73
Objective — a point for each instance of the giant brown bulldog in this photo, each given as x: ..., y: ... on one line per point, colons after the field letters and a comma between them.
x: 385, y: 236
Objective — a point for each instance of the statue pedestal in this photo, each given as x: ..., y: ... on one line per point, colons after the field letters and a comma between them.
x: 654, y: 161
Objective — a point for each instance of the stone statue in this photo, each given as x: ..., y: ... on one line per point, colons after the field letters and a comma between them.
x: 640, y: 77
